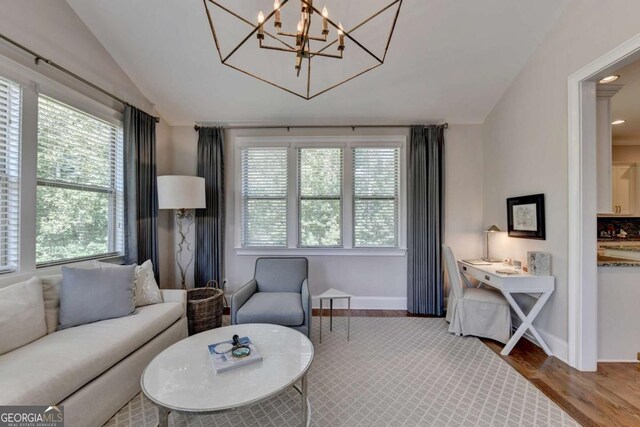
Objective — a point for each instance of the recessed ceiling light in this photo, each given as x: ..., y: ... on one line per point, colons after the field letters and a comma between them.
x: 618, y: 122
x: 610, y: 79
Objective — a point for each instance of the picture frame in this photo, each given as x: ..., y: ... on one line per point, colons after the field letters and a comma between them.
x: 526, y: 217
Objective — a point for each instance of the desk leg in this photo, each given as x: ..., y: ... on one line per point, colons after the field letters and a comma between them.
x: 527, y: 323
x: 348, y: 318
x: 331, y: 315
x: 320, y: 319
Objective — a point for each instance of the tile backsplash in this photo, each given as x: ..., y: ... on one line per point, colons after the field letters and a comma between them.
x: 612, y: 227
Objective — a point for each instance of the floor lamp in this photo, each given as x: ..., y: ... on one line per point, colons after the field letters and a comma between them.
x: 182, y: 194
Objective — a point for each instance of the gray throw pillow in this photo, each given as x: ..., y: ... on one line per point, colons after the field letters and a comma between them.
x: 90, y: 295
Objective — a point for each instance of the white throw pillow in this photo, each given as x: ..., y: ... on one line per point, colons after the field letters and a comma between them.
x: 21, y: 314
x: 145, y: 289
x: 51, y: 293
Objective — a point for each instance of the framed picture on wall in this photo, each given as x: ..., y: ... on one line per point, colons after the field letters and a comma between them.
x: 525, y: 217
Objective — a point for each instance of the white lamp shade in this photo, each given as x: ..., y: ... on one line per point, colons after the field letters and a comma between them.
x: 181, y: 192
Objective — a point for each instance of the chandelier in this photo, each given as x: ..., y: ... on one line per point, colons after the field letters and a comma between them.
x: 299, y: 39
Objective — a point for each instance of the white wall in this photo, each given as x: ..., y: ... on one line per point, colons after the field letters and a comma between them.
x: 52, y: 29
x: 525, y: 149
x: 376, y: 282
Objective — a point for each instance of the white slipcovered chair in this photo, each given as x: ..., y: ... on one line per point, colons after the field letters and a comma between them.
x: 479, y: 312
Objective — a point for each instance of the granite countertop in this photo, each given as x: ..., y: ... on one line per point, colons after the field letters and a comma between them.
x: 607, y: 261
x: 629, y: 248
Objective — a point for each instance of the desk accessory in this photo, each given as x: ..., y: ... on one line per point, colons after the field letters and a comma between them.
x: 491, y: 230
x: 234, y: 353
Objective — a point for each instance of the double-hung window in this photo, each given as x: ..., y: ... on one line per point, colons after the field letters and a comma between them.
x: 264, y: 197
x: 375, y: 196
x: 320, y: 197
x: 80, y: 205
x: 338, y: 194
x: 10, y: 110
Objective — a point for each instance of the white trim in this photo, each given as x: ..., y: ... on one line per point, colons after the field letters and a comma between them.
x: 582, y: 265
x: 345, y: 142
x: 29, y: 78
x: 617, y: 142
x: 320, y: 251
x: 366, y: 303
x: 558, y: 346
x: 618, y: 361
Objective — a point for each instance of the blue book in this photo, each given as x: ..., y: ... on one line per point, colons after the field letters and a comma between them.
x: 222, y: 359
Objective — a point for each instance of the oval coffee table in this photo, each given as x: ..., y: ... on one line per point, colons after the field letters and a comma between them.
x: 182, y: 378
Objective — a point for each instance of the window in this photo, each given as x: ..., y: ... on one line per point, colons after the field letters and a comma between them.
x: 320, y: 197
x: 79, y: 206
x: 10, y: 109
x: 375, y: 197
x: 264, y: 197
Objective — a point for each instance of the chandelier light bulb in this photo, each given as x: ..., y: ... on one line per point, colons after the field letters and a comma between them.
x: 340, y: 29
x: 300, y: 26
x: 325, y: 12
x: 260, y: 18
x: 276, y: 4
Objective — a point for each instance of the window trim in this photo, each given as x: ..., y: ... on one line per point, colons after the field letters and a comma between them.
x: 347, y: 143
x: 34, y: 83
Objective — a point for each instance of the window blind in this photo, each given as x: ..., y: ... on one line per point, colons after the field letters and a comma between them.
x: 320, y: 197
x: 375, y: 196
x: 264, y: 197
x: 10, y: 109
x: 80, y: 205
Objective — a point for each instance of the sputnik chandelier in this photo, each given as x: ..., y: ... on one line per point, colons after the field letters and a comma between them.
x: 315, y: 36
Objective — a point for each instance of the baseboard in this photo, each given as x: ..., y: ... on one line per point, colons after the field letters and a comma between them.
x: 618, y: 361
x: 365, y: 303
x: 559, y: 347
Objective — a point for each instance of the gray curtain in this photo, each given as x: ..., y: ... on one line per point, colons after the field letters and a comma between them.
x: 209, y: 262
x: 425, y: 221
x: 140, y: 187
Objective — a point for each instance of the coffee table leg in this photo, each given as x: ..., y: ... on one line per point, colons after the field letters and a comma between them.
x: 163, y: 417
x: 305, y: 408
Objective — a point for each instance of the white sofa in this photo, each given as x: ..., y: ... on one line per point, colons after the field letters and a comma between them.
x: 93, y: 369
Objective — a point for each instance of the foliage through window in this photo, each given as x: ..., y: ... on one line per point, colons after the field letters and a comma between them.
x: 10, y: 108
x: 79, y: 206
x: 320, y: 196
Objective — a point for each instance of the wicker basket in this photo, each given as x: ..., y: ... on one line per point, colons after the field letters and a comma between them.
x: 204, y: 308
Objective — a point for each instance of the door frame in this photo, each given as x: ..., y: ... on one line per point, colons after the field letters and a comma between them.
x: 582, y: 219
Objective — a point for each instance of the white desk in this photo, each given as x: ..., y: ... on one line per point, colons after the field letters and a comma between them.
x: 540, y: 287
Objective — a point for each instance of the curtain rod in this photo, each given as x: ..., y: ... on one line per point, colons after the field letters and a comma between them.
x: 288, y: 128
x: 49, y: 62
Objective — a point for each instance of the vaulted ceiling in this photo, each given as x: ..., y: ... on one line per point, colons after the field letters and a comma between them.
x: 448, y: 60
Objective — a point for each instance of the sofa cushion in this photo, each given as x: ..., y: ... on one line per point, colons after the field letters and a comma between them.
x: 90, y: 295
x: 51, y: 292
x: 280, y: 308
x: 145, y: 287
x: 21, y: 314
x: 50, y: 369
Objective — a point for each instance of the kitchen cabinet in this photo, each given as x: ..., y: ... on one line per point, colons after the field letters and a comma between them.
x: 623, y: 189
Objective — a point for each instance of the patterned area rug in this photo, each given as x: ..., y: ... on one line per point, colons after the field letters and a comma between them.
x: 394, y: 372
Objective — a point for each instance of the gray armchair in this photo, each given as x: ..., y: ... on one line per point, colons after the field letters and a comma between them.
x: 278, y: 294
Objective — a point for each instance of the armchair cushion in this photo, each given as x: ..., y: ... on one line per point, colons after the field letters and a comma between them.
x: 280, y: 308
x: 280, y: 274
